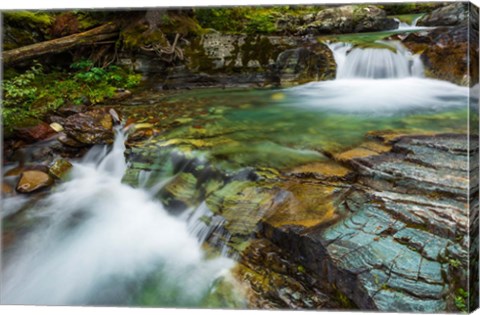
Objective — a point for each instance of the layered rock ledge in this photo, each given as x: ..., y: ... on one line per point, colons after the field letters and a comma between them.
x: 382, y: 226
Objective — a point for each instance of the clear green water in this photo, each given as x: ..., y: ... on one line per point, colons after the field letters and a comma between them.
x: 273, y: 128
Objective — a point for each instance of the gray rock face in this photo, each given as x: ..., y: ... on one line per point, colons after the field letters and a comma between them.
x: 241, y: 60
x: 301, y: 64
x: 449, y: 15
x: 349, y: 19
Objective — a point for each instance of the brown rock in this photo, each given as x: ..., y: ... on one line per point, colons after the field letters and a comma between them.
x: 33, y: 180
x: 327, y: 170
x: 69, y: 142
x: 444, y: 52
x: 92, y: 127
x: 71, y: 110
x: 6, y: 189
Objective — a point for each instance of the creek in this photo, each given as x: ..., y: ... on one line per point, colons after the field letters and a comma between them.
x: 96, y: 240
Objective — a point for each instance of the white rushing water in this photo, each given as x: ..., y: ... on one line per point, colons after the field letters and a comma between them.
x: 376, y: 63
x: 403, y: 26
x: 379, y: 81
x: 99, y: 239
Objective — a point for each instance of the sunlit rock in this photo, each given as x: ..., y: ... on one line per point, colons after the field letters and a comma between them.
x: 31, y: 181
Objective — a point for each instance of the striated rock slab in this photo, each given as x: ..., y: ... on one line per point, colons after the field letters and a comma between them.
x: 400, y: 237
x: 381, y: 226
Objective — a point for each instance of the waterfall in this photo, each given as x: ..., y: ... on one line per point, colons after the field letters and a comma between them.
x: 375, y: 63
x: 379, y: 81
x: 97, y: 241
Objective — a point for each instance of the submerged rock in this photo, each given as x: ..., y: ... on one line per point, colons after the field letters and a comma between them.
x: 92, y: 127
x: 6, y: 189
x: 404, y: 220
x: 31, y: 181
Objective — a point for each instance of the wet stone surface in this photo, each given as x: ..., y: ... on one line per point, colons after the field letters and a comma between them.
x: 382, y: 226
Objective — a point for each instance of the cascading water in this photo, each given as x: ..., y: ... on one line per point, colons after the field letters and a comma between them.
x: 379, y: 81
x: 374, y: 63
x: 403, y: 26
x: 99, y: 241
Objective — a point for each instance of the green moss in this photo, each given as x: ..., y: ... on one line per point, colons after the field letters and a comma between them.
x: 343, y: 300
x: 30, y: 18
x: 455, y: 263
x: 460, y: 300
x: 257, y: 48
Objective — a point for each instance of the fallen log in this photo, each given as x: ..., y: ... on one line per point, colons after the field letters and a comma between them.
x: 57, y: 45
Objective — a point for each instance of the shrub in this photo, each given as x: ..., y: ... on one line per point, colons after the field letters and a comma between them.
x: 34, y: 93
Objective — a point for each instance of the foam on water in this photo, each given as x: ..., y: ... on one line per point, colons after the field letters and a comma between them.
x: 379, y: 81
x: 381, y: 97
x: 99, y: 238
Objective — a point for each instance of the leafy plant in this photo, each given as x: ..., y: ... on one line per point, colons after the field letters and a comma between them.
x: 249, y: 20
x: 34, y: 93
x: 461, y: 299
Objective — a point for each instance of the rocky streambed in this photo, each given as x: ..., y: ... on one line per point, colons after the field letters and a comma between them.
x: 380, y: 226
x: 354, y: 193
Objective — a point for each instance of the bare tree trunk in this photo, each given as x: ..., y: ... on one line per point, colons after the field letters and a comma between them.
x: 57, y: 45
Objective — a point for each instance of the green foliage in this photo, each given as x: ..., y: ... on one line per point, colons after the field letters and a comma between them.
x: 34, y: 93
x: 261, y: 21
x: 455, y: 263
x: 461, y: 299
x: 30, y: 18
x: 248, y: 20
x: 18, y: 95
x: 228, y: 20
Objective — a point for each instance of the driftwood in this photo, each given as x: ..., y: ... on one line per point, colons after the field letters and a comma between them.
x: 98, y: 34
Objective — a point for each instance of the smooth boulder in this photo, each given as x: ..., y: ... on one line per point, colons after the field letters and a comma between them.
x: 33, y: 180
x: 92, y: 127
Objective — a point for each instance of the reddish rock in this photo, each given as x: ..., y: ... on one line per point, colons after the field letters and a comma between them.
x: 36, y: 133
